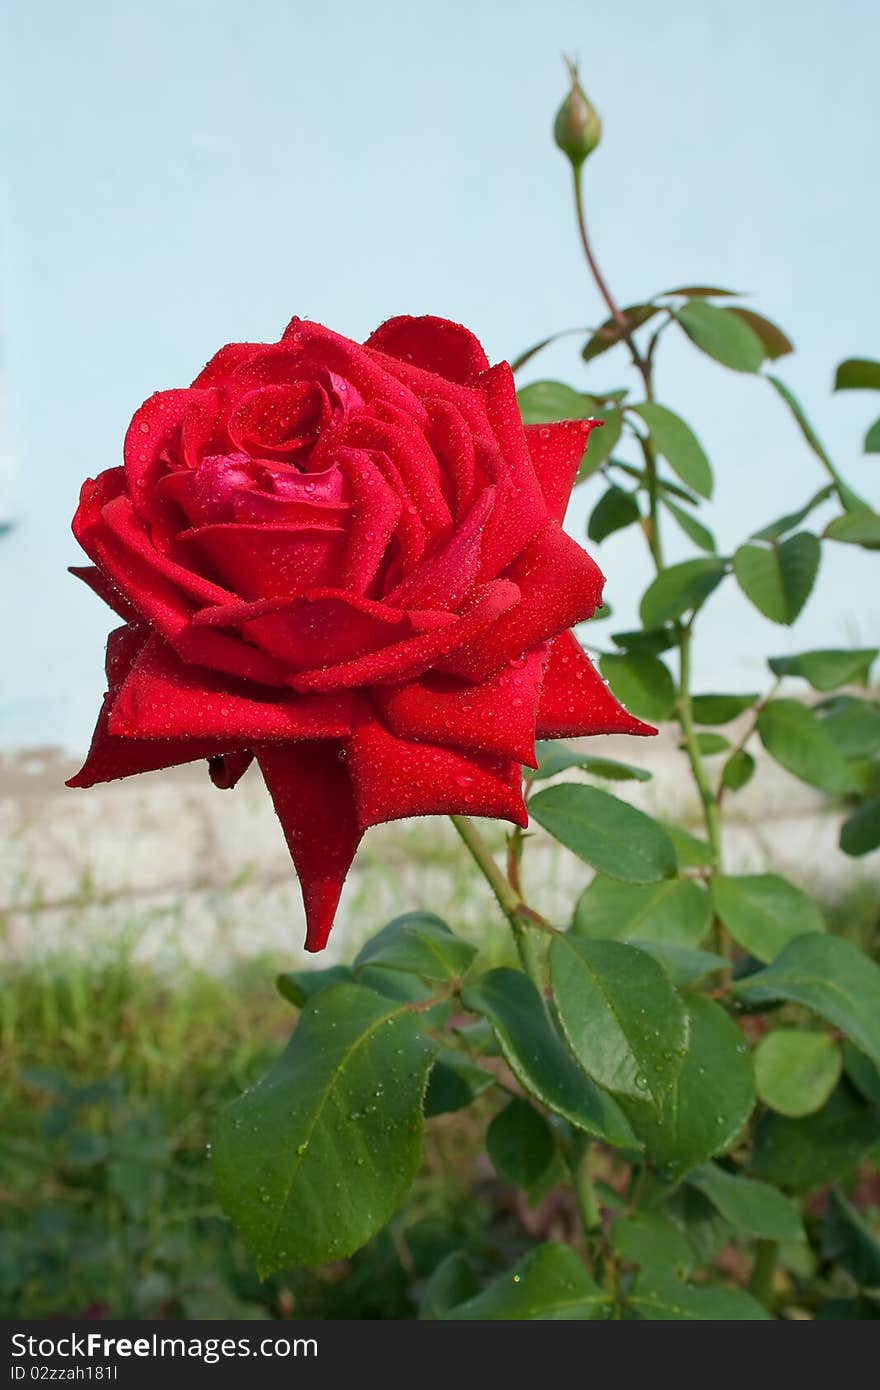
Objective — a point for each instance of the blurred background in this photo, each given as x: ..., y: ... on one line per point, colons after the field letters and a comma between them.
x: 184, y: 173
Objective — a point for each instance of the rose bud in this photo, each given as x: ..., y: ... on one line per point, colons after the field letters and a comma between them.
x: 577, y: 129
x: 345, y: 562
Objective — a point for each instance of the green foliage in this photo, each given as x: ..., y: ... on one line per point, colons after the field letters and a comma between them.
x: 722, y: 334
x: 622, y: 1018
x: 346, y: 1093
x: 612, y: 836
x: 680, y: 589
x: 778, y: 575
x: 675, y: 440
x: 831, y: 977
x: 763, y: 912
x: 675, y: 911
x: 538, y: 1058
x: 549, y: 1284
x: 711, y: 1100
x: 641, y: 682
x: 796, y: 1071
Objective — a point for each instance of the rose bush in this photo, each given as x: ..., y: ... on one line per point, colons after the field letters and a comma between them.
x: 347, y: 562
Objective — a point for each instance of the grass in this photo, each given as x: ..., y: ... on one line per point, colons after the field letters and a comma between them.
x: 111, y: 1075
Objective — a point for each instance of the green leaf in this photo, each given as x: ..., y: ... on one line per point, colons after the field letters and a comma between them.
x: 706, y: 1230
x: 862, y: 1073
x: 651, y: 641
x: 803, y: 1154
x: 858, y: 374
x: 554, y: 757
x: 738, y: 770
x: 693, y: 529
x: 680, y: 588
x: 721, y: 334
x: 452, y: 1282
x: 608, y: 334
x: 675, y: 440
x: 623, y: 1020
x: 601, y: 443
x: 543, y: 402
x: 711, y: 1100
x: 344, y: 1099
x: 827, y: 669
x: 801, y: 420
x: 793, y: 735
x: 641, y: 682
x: 520, y: 1143
x: 676, y: 912
x: 299, y: 986
x: 659, y: 1297
x: 774, y: 342
x: 778, y: 577
x: 720, y: 709
x: 860, y: 527
x: 860, y: 833
x: 853, y: 725
x: 615, y: 510
x: 615, y: 838
x: 517, y: 363
x: 829, y: 975
x: 872, y: 439
x: 752, y: 1208
x: 651, y: 1240
x: 709, y: 744
x: 665, y: 485
x: 538, y: 1057
x: 764, y: 912
x: 796, y: 1071
x: 548, y: 1284
x: 454, y: 1083
x: 701, y: 292
x: 419, y: 944
x: 849, y: 1241
x: 790, y: 520
x: 683, y: 964
x: 691, y: 852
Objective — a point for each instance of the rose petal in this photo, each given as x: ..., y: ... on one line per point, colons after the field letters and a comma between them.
x: 495, y: 717
x: 524, y: 512
x: 556, y: 452
x: 313, y: 800
x: 433, y: 343
x: 322, y: 627
x: 394, y: 778
x: 164, y: 697
x: 453, y: 443
x: 223, y: 363
x: 270, y: 560
x: 317, y: 346
x: 560, y: 586
x: 575, y: 701
x: 397, y: 437
x: 110, y: 757
x: 227, y: 769
x: 375, y: 514
x: 446, y: 576
x: 154, y: 428
x: 412, y: 656
x: 99, y: 584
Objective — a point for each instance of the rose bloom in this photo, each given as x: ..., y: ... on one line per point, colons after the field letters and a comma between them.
x: 346, y: 562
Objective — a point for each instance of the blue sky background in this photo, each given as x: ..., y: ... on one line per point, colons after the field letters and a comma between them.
x: 182, y: 174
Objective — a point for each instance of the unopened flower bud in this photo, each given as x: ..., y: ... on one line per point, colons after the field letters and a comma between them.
x: 577, y: 129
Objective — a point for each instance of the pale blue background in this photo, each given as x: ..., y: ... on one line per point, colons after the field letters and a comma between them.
x: 181, y: 174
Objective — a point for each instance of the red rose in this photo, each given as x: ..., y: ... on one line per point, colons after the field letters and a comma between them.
x: 346, y: 561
